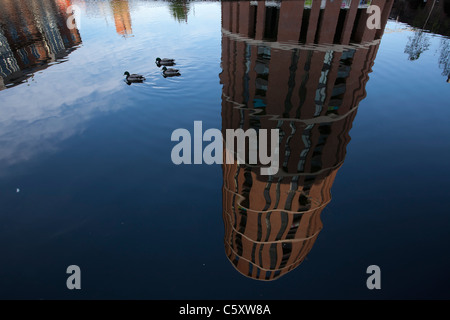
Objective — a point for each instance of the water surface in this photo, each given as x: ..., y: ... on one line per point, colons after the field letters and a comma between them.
x: 86, y: 175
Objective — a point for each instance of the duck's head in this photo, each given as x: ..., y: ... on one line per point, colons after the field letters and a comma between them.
x: 158, y: 60
x: 126, y: 73
x: 164, y: 68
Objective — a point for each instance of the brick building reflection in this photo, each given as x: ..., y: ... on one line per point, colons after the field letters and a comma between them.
x: 122, y: 17
x: 33, y: 34
x: 300, y: 67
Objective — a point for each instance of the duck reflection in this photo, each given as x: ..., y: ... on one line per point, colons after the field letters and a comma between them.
x: 33, y: 34
x: 300, y: 67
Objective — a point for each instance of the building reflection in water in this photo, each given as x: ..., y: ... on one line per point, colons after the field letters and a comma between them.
x: 300, y: 67
x: 118, y: 10
x: 33, y: 33
x: 122, y: 17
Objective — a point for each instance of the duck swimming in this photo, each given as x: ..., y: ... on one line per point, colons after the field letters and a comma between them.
x: 133, y: 77
x: 165, y: 62
x: 170, y: 72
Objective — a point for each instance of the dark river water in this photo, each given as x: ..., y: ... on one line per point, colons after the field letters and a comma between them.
x: 87, y: 172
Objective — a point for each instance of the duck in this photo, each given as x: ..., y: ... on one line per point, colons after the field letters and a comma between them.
x: 133, y: 77
x: 170, y: 72
x: 165, y: 62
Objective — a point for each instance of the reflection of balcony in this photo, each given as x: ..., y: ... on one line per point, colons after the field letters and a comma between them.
x: 320, y: 22
x: 310, y: 92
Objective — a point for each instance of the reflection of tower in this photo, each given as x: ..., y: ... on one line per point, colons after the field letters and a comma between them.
x: 33, y: 34
x: 300, y: 67
x: 122, y: 18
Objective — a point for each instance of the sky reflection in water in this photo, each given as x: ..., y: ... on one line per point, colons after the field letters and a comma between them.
x: 91, y: 157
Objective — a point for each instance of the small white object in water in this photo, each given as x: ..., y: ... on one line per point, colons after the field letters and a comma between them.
x: 17, y: 190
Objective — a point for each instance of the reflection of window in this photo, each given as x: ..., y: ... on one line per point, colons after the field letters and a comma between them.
x: 8, y: 63
x: 261, y: 84
x: 238, y: 243
x: 307, y: 145
x: 287, y: 249
x: 287, y: 148
x: 248, y: 50
x: 34, y: 52
x: 252, y: 19
x: 305, y: 22
x: 321, y: 89
x: 263, y: 52
x: 328, y: 58
x: 259, y: 103
x: 294, y: 226
x: 23, y: 56
x: 250, y: 269
x: 262, y: 76
x: 261, y: 68
x: 273, y: 256
x: 339, y: 88
x: 348, y: 54
x: 271, y: 23
x: 320, y: 95
x: 340, y: 25
x: 343, y: 72
x: 316, y: 160
x: 236, y: 260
